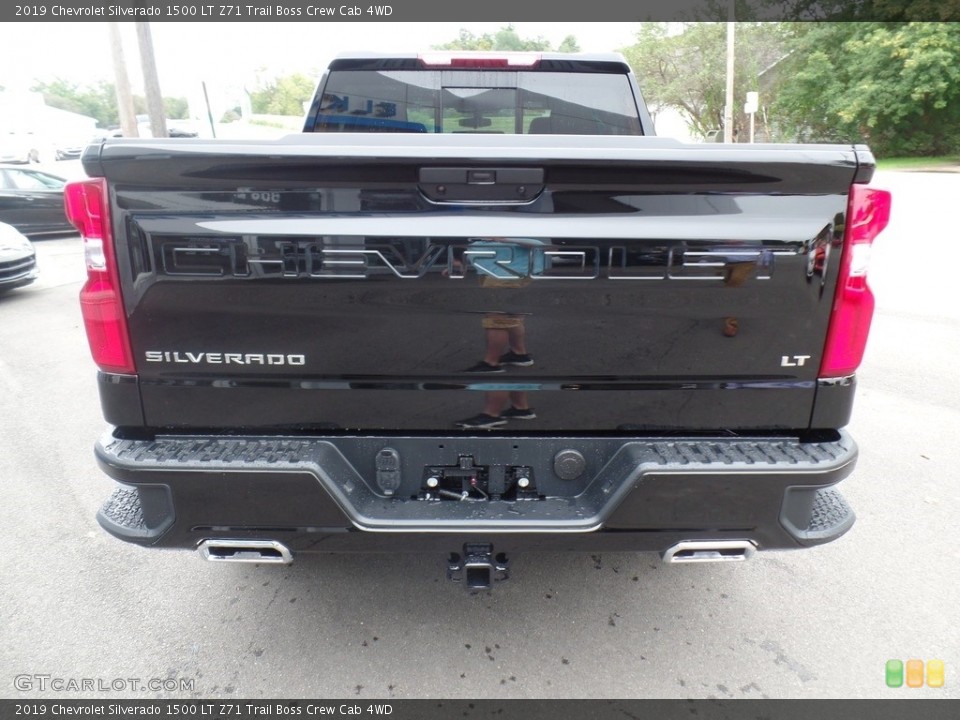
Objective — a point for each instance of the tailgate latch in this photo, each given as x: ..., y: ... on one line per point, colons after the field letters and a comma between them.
x: 483, y: 186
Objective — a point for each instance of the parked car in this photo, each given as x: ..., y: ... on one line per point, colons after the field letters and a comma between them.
x: 69, y: 149
x: 181, y: 131
x: 18, y: 148
x: 32, y: 201
x: 175, y: 129
x: 18, y: 260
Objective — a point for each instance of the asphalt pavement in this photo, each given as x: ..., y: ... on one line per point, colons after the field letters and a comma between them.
x: 77, y: 604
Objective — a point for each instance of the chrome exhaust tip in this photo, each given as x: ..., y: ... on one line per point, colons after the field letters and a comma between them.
x: 703, y: 551
x: 245, y: 551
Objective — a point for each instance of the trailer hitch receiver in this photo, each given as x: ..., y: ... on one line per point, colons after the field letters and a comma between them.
x: 477, y: 567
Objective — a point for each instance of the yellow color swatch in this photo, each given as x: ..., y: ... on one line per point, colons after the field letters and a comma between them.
x: 935, y: 673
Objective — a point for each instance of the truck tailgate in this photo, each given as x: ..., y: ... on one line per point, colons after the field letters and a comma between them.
x: 355, y: 282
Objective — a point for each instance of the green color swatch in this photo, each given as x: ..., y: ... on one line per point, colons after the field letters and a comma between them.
x: 894, y: 673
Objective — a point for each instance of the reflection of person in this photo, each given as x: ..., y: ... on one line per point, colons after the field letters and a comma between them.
x: 736, y: 272
x: 506, y: 345
x: 499, y: 407
x: 503, y: 264
x: 506, y: 339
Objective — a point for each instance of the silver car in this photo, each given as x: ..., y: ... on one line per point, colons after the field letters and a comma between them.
x: 18, y: 260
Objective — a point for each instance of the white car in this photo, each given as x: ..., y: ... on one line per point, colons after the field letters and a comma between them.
x: 18, y: 260
x: 18, y: 148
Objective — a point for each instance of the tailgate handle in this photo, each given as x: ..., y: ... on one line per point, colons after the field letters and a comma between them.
x: 480, y: 186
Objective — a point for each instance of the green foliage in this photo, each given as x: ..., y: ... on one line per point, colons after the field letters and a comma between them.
x: 919, y: 163
x: 569, y: 44
x: 100, y: 101
x: 97, y: 101
x: 505, y: 39
x: 468, y: 41
x: 284, y: 95
x: 176, y: 108
x: 895, y: 86
x: 685, y: 68
x: 854, y: 10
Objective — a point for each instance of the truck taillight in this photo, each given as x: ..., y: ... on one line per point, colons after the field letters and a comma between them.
x: 868, y: 212
x: 479, y: 60
x: 100, y: 300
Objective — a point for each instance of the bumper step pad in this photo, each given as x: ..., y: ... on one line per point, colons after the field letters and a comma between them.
x: 123, y: 510
x: 757, y: 487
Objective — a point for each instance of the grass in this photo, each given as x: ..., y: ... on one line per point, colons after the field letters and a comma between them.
x: 917, y: 163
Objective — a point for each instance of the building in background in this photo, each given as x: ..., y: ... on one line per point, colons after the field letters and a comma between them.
x: 32, y: 131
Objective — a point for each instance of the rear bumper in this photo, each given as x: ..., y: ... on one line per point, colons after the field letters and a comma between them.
x: 322, y: 494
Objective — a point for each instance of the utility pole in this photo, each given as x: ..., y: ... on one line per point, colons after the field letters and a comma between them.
x: 128, y: 118
x: 728, y: 107
x: 151, y: 82
x: 206, y: 101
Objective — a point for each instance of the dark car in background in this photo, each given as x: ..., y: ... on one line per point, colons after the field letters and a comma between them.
x: 68, y: 149
x: 32, y: 201
x: 18, y: 261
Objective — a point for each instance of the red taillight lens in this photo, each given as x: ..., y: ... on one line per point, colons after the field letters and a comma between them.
x: 480, y: 60
x: 100, y: 300
x: 868, y: 212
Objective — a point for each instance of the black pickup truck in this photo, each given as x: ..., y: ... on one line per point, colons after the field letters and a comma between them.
x: 476, y: 308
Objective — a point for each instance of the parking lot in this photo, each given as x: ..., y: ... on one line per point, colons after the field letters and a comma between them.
x: 77, y: 603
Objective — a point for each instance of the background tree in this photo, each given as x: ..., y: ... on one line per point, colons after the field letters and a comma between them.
x: 848, y: 10
x: 231, y: 115
x: 177, y: 108
x: 505, y: 39
x: 283, y: 95
x: 569, y: 44
x: 895, y: 86
x: 99, y: 101
x: 684, y: 67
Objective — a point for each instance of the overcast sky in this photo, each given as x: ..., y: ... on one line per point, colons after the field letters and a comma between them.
x: 230, y: 53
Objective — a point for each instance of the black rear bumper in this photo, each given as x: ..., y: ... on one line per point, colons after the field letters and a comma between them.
x: 323, y: 494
